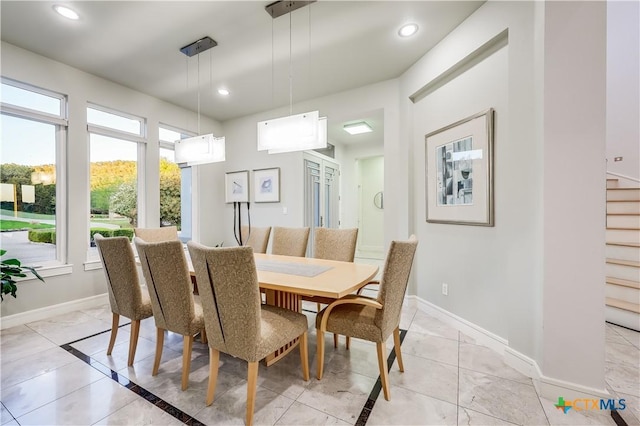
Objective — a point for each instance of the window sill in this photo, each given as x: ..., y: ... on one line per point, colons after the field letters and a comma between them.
x: 50, y: 271
x: 92, y: 265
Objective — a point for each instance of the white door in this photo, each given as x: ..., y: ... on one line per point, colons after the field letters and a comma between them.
x: 321, y: 195
x: 370, y: 175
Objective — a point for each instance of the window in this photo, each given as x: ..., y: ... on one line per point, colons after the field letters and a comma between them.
x: 175, y: 184
x: 116, y: 151
x: 34, y: 127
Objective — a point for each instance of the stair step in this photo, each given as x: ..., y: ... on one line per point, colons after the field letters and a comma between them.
x: 623, y: 207
x: 624, y: 283
x: 623, y: 294
x: 617, y: 243
x: 623, y: 220
x: 623, y: 235
x: 624, y: 272
x: 623, y: 251
x: 632, y: 263
x: 627, y: 194
x: 621, y: 304
x: 622, y: 317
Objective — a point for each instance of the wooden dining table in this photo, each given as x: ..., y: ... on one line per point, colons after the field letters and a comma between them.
x: 288, y: 280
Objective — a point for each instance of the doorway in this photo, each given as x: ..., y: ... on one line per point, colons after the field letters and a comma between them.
x: 370, y: 178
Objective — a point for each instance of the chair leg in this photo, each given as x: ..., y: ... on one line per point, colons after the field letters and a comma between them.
x: 159, y: 344
x: 304, y: 356
x: 214, y: 362
x: 348, y: 344
x: 320, y: 353
x: 115, y: 320
x: 203, y: 336
x: 187, y: 344
x: 252, y: 381
x: 335, y: 340
x: 382, y: 364
x: 396, y: 347
x: 317, y: 307
x: 133, y: 341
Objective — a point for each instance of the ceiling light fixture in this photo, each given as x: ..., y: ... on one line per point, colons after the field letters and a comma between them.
x: 201, y: 149
x: 66, y: 12
x: 357, y: 128
x: 223, y: 92
x: 408, y: 30
x: 298, y: 132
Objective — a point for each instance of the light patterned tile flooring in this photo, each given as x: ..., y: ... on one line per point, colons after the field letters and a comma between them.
x: 448, y: 380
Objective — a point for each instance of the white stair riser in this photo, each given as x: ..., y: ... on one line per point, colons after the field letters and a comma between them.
x: 623, y: 194
x: 631, y: 273
x: 612, y: 184
x: 622, y: 252
x: 622, y: 317
x: 623, y: 236
x: 628, y: 294
x: 624, y: 207
x: 623, y: 221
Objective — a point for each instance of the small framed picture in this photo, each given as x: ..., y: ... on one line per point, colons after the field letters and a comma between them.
x: 237, y: 186
x: 266, y: 185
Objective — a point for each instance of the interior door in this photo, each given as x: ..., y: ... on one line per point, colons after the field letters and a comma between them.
x: 322, y: 195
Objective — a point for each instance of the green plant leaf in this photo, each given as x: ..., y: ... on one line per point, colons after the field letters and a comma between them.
x: 11, y: 262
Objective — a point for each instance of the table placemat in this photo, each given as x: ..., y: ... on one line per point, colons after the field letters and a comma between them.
x: 291, y: 268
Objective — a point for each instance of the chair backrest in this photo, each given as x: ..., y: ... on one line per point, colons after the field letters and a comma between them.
x: 290, y: 241
x: 393, y: 284
x: 166, y: 271
x: 230, y: 296
x: 154, y: 235
x: 335, y: 244
x: 119, y: 265
x: 256, y: 238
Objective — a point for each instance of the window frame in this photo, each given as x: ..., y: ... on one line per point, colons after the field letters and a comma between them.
x: 60, y: 122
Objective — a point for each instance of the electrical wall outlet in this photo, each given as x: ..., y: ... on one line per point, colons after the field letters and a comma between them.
x: 445, y: 289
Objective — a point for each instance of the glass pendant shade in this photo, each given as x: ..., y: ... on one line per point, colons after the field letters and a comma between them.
x: 201, y: 149
x: 293, y: 133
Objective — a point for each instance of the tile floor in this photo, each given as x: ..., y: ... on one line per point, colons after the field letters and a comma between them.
x: 448, y: 380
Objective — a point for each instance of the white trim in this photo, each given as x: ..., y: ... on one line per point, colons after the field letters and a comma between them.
x: 547, y: 387
x: 50, y: 311
x: 624, y: 176
x: 482, y: 336
x: 115, y: 134
x: 27, y: 113
x: 92, y: 265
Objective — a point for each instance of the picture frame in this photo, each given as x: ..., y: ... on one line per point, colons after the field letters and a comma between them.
x: 266, y: 185
x: 237, y: 186
x: 459, y: 172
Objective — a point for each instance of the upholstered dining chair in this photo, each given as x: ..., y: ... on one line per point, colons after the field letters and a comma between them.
x: 372, y: 319
x: 290, y: 241
x: 174, y: 306
x: 154, y: 235
x: 236, y: 322
x: 126, y: 297
x: 335, y: 244
x: 256, y: 238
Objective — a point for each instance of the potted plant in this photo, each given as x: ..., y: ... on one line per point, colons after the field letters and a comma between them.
x: 12, y: 269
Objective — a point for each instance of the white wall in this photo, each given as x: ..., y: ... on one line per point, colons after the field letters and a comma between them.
x: 500, y: 276
x: 370, y: 182
x: 81, y: 88
x: 241, y: 154
x: 623, y: 87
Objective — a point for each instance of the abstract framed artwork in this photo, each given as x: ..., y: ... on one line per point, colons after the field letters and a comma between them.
x: 266, y: 185
x: 459, y: 172
x: 237, y: 187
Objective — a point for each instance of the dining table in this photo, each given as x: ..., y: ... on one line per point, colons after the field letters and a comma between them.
x: 288, y: 280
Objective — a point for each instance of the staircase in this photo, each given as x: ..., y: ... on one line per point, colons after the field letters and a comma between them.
x: 623, y: 255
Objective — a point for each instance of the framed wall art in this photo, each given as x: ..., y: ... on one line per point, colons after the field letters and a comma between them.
x: 237, y: 186
x: 266, y: 185
x: 459, y: 172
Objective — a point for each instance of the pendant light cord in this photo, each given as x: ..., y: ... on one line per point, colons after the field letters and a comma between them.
x: 290, y: 70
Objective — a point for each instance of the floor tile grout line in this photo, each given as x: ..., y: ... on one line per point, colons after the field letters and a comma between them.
x: 458, y: 387
x: 128, y: 384
x: 377, y: 387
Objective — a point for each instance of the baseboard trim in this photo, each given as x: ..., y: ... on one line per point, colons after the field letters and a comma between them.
x: 547, y: 387
x: 49, y: 311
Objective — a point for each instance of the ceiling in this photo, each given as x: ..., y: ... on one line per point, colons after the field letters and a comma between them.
x: 336, y: 45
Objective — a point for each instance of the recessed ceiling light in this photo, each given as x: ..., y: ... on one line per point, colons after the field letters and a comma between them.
x: 408, y: 30
x: 66, y: 12
x: 357, y: 128
x: 223, y: 92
